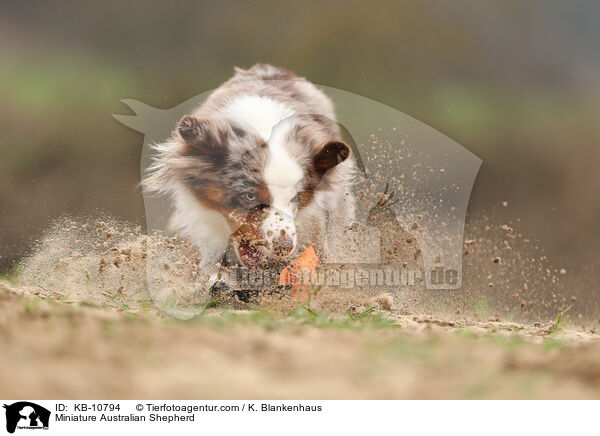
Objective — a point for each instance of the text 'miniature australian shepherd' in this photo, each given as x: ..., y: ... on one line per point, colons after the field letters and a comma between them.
x: 262, y: 162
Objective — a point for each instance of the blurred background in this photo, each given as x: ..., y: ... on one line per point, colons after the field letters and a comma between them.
x: 517, y: 83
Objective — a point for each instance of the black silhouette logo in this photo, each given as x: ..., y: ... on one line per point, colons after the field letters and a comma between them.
x: 26, y: 415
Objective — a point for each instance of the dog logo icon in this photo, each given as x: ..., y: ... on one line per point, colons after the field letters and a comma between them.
x: 26, y: 415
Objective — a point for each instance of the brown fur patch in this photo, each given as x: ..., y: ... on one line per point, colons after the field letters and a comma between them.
x: 213, y: 195
x: 332, y: 154
x: 305, y: 198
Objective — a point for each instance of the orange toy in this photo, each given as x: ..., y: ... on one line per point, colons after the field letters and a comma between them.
x: 301, y: 273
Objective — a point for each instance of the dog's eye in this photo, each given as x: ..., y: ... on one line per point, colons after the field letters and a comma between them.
x: 250, y: 196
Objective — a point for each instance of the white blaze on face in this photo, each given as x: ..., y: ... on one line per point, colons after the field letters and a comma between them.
x: 273, y: 122
x: 282, y: 175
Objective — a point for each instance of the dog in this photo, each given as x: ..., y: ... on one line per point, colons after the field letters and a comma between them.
x: 260, y: 163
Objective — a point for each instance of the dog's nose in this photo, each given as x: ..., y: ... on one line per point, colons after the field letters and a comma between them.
x: 282, y: 245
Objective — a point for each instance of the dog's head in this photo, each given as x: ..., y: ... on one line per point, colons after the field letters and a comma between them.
x: 257, y: 185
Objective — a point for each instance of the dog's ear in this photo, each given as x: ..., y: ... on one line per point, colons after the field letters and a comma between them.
x: 332, y: 154
x: 203, y: 138
x: 189, y: 128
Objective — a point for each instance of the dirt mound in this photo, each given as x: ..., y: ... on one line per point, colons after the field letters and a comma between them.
x: 104, y: 261
x: 107, y: 261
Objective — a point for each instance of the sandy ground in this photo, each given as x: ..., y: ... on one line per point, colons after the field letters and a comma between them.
x: 78, y: 320
x: 55, y: 348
